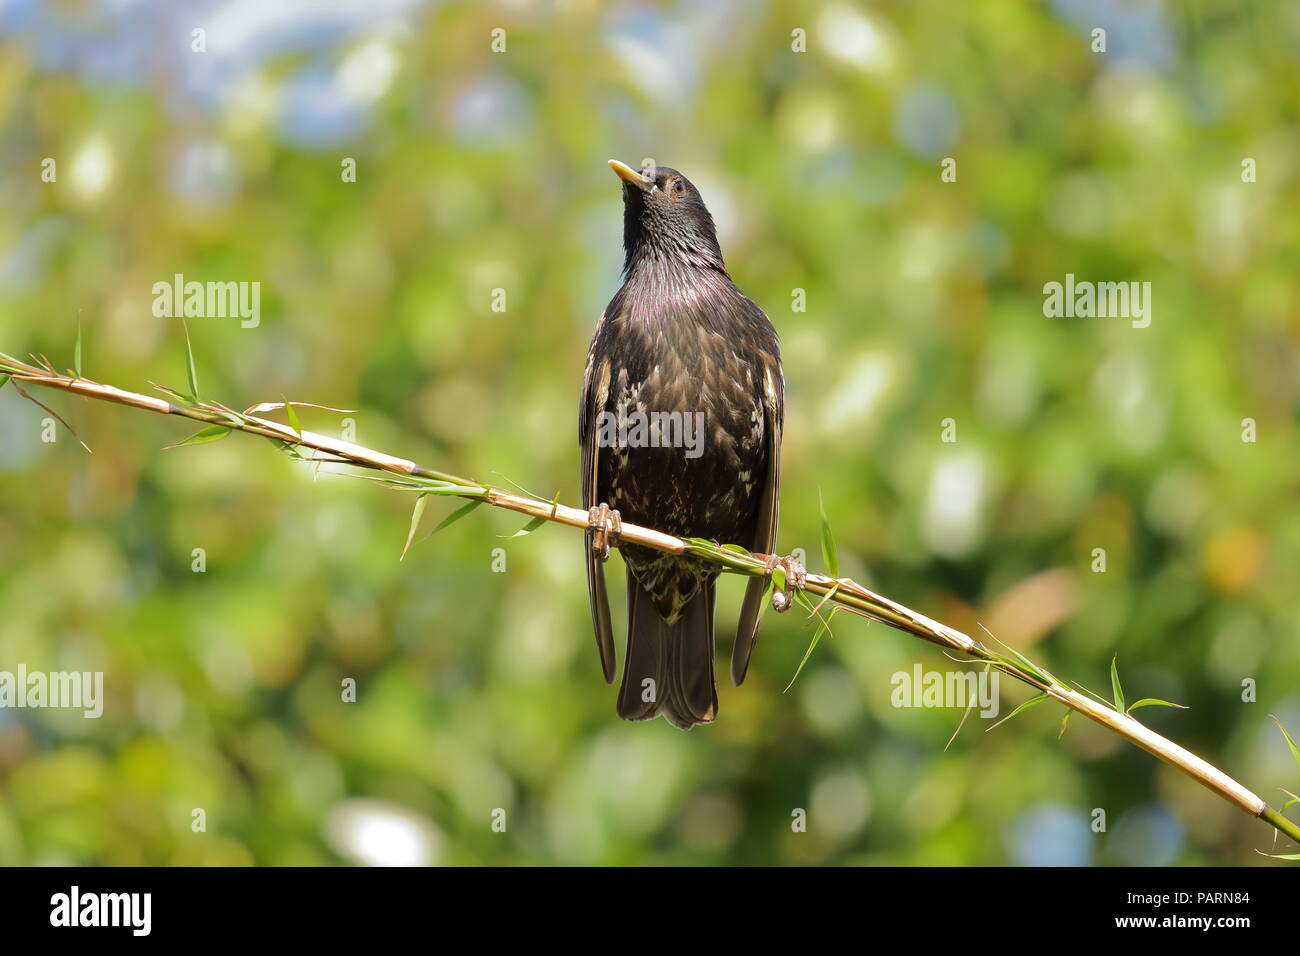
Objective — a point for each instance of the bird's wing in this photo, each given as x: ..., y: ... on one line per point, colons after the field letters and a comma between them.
x: 595, y: 386
x: 765, y: 534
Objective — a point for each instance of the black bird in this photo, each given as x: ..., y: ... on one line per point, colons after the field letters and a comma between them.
x: 686, y: 355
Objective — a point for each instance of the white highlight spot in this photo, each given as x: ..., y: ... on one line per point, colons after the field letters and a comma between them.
x: 367, y: 72
x: 951, y: 525
x: 377, y: 833
x: 858, y: 396
x: 854, y: 37
x: 92, y: 168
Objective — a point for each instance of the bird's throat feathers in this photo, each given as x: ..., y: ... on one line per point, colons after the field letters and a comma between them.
x: 659, y: 243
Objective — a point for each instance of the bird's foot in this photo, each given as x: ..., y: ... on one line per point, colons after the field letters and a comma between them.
x: 796, y: 577
x: 606, y: 524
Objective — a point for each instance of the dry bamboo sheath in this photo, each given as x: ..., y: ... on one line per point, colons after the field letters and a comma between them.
x: 841, y: 591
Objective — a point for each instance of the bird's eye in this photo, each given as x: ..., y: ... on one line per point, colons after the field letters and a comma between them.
x: 679, y: 187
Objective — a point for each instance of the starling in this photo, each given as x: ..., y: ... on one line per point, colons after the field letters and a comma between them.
x: 680, y: 428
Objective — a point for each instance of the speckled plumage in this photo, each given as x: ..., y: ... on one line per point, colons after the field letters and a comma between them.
x: 679, y: 337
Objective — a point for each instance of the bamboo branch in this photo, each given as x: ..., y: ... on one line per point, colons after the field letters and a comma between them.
x: 845, y: 592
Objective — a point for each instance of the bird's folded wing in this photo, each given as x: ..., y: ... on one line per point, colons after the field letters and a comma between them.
x: 765, y: 534
x: 596, y: 595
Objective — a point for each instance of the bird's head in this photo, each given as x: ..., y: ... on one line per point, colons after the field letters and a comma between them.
x: 664, y: 217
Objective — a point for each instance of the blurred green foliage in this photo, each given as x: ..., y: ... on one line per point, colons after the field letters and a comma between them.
x: 479, y: 170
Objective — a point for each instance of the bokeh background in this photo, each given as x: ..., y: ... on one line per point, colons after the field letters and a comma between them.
x: 481, y: 170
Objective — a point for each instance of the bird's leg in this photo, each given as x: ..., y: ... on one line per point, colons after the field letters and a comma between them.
x: 796, y: 576
x: 605, y: 524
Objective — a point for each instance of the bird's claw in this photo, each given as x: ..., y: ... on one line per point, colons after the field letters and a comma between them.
x: 796, y: 577
x: 606, y: 524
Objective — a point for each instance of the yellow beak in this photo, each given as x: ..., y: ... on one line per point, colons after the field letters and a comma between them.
x: 629, y: 175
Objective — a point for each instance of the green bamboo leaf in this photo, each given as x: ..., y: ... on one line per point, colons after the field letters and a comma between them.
x: 416, y: 514
x: 293, y: 419
x: 803, y: 601
x: 4, y: 380
x: 1025, y: 706
x: 178, y: 396
x: 708, y: 549
x: 211, y: 433
x: 970, y: 705
x: 272, y: 406
x: 1295, y: 750
x: 814, y: 610
x: 822, y: 627
x: 1064, y: 720
x: 830, y: 555
x: 189, y: 359
x: 736, y: 550
x: 1024, y: 663
x: 526, y: 529
x: 387, y: 482
x: 456, y: 516
x: 1114, y: 684
x: 1154, y: 702
x: 828, y: 596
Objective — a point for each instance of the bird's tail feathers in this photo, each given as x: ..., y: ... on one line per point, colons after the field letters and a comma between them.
x: 669, y: 667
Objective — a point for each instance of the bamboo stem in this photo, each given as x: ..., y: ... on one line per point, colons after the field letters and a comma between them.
x: 842, y: 591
